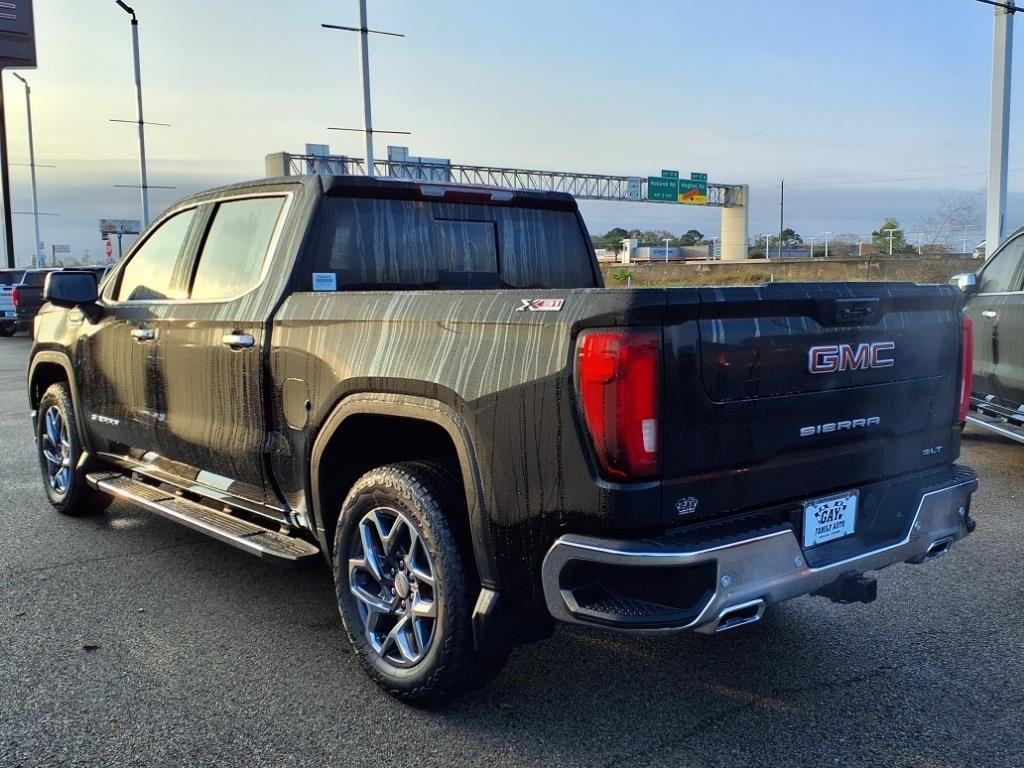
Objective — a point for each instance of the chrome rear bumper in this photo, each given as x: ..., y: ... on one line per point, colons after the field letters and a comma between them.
x: 740, y: 574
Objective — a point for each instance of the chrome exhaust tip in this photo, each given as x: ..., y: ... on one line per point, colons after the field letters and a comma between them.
x: 938, y: 549
x: 739, y: 615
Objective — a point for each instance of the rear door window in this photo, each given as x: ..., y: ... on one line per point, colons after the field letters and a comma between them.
x: 232, y: 257
x: 149, y: 275
x: 1003, y: 273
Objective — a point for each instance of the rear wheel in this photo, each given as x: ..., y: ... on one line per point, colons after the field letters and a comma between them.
x: 405, y: 586
x: 60, y: 448
x: 8, y: 329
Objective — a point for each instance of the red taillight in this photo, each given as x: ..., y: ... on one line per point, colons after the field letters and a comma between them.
x: 15, y: 298
x: 966, y: 369
x: 619, y: 380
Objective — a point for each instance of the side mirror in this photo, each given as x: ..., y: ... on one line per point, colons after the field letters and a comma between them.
x: 70, y: 288
x: 967, y: 282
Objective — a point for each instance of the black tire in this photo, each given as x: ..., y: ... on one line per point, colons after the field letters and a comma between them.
x: 8, y: 329
x: 424, y: 496
x: 70, y: 495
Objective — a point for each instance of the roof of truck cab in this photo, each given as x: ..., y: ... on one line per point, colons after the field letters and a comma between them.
x: 386, y: 187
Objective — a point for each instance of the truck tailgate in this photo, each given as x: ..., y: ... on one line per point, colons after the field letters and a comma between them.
x: 6, y: 302
x: 791, y: 391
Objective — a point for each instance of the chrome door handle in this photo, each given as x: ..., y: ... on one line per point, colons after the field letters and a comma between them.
x: 991, y: 314
x: 143, y: 334
x: 238, y: 340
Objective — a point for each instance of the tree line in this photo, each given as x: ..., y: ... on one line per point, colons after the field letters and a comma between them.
x: 888, y: 238
x: 612, y: 239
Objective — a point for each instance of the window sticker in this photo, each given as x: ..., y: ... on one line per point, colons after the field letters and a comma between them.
x: 325, y: 281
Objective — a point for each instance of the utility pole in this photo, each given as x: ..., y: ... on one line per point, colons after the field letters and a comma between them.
x: 891, y: 233
x: 782, y: 213
x: 999, y: 128
x: 919, y: 236
x: 36, y: 256
x: 5, y: 181
x: 826, y: 234
x: 667, y: 241
x: 364, y: 71
x: 812, y: 246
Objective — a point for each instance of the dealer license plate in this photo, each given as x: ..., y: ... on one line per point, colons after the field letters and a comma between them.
x: 829, y: 518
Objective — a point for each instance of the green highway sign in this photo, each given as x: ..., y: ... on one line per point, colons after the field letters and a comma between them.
x: 698, y: 177
x: 662, y: 190
x: 670, y: 174
x: 693, y: 192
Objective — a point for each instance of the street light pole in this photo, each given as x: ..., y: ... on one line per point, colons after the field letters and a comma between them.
x: 667, y: 241
x: 826, y: 234
x: 138, y: 112
x: 782, y: 213
x: 36, y: 256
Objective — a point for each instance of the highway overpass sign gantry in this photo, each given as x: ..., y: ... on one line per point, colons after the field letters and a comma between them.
x: 665, y: 189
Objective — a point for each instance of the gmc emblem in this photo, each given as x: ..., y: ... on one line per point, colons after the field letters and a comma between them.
x: 832, y: 358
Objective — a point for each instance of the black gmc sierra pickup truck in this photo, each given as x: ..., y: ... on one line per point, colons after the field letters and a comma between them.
x: 429, y: 386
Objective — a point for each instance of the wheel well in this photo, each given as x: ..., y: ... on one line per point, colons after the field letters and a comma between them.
x: 366, y: 441
x: 43, y: 376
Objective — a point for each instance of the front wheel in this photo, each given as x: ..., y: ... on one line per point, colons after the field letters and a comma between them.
x: 404, y: 585
x: 60, y: 448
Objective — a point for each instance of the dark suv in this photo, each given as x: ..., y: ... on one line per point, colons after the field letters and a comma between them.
x: 995, y: 306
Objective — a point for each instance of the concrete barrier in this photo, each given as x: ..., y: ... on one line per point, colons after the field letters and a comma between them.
x: 928, y: 269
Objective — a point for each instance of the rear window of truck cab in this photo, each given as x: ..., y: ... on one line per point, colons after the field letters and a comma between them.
x: 368, y: 244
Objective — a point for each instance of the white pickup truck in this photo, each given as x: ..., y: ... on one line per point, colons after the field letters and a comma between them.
x: 8, y: 317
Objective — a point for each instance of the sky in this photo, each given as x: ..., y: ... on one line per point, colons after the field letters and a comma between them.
x: 868, y: 109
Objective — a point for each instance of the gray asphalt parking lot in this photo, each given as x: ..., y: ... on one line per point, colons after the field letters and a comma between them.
x: 128, y: 640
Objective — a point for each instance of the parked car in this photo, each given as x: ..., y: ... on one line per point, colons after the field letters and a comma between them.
x: 28, y: 297
x: 8, y: 315
x: 101, y: 271
x: 995, y: 306
x: 429, y: 386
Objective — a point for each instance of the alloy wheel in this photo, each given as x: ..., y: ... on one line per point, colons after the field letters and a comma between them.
x: 56, y: 450
x: 391, y: 576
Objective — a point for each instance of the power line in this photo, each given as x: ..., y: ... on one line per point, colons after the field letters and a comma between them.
x: 896, y: 180
x: 888, y: 172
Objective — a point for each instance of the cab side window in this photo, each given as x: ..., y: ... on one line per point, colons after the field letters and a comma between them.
x: 149, y: 276
x: 1003, y: 274
x: 236, y: 245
